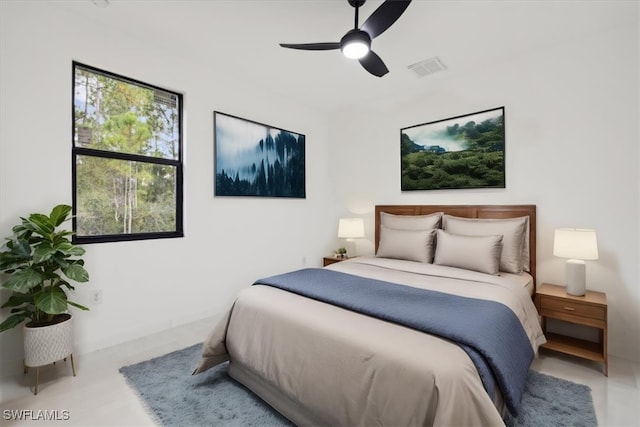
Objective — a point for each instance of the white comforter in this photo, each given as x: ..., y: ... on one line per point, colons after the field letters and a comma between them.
x: 330, y: 366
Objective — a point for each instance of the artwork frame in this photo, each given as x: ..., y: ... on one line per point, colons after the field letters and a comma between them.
x: 253, y: 159
x: 470, y: 152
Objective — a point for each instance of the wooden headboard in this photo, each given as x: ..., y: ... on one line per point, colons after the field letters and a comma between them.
x: 470, y: 211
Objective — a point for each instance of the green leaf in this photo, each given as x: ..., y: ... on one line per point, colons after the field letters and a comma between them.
x: 21, y: 228
x: 24, y: 280
x: 73, y: 251
x: 76, y: 272
x: 41, y: 224
x: 59, y: 214
x: 13, y: 321
x: 62, y: 245
x: 43, y: 252
x: 51, y: 301
x: 16, y: 300
x: 64, y: 233
x: 21, y: 248
x: 18, y: 255
x: 76, y: 305
x: 67, y: 248
x: 9, y: 262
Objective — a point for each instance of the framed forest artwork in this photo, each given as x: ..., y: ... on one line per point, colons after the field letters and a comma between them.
x: 258, y: 160
x: 459, y: 152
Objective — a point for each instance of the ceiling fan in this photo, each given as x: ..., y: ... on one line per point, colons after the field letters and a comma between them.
x: 356, y: 44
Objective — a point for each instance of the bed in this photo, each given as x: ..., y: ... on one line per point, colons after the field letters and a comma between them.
x: 438, y: 328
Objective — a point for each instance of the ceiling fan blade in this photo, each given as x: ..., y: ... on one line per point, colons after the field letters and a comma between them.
x: 384, y: 16
x: 312, y: 46
x: 373, y: 64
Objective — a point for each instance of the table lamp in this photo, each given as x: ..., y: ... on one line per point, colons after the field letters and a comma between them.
x: 351, y: 228
x: 577, y: 245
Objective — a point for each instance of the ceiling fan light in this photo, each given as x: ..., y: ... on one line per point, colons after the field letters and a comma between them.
x: 355, y: 49
x: 355, y: 44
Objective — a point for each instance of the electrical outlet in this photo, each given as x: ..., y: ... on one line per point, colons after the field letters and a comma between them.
x: 97, y: 297
x: 304, y: 260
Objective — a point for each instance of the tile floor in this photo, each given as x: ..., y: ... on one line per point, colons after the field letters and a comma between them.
x: 99, y: 395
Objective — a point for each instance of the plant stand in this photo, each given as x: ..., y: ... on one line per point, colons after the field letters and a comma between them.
x: 47, y: 344
x: 26, y: 370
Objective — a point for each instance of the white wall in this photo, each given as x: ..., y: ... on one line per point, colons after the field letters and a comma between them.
x: 571, y: 117
x: 229, y: 242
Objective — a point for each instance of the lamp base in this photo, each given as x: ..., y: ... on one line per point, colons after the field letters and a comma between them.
x: 350, y: 246
x: 575, y: 277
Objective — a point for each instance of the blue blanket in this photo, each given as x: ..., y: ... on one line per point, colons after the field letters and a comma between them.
x: 489, y: 331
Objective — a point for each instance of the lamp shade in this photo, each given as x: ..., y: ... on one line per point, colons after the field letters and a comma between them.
x: 575, y: 243
x: 351, y: 228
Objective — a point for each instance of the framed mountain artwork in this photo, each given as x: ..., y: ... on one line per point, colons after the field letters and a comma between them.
x: 257, y: 160
x: 459, y: 152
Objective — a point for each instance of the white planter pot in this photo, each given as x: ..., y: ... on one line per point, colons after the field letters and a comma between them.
x: 47, y: 344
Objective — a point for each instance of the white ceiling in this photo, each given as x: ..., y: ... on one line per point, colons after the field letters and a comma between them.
x: 240, y: 38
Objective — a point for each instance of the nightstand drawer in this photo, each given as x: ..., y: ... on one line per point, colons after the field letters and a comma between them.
x: 574, y: 308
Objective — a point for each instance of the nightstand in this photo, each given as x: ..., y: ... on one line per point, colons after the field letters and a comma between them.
x: 328, y: 260
x: 590, y: 310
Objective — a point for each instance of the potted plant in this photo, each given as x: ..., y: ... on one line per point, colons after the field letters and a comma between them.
x: 341, y: 253
x: 39, y: 260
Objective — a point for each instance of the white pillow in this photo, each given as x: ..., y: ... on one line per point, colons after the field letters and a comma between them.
x: 412, y: 245
x: 477, y: 253
x: 411, y: 222
x: 515, y: 241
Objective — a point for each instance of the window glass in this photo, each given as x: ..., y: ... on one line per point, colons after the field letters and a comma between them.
x: 127, y: 170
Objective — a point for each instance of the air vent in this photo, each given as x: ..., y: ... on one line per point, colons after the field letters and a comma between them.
x: 428, y: 66
x: 168, y: 99
x: 85, y: 135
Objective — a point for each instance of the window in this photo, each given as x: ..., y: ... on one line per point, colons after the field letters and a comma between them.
x: 127, y: 158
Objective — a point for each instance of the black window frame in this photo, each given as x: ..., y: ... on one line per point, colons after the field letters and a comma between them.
x: 83, y: 151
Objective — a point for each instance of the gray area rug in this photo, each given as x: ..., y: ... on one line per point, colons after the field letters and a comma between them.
x: 176, y: 398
